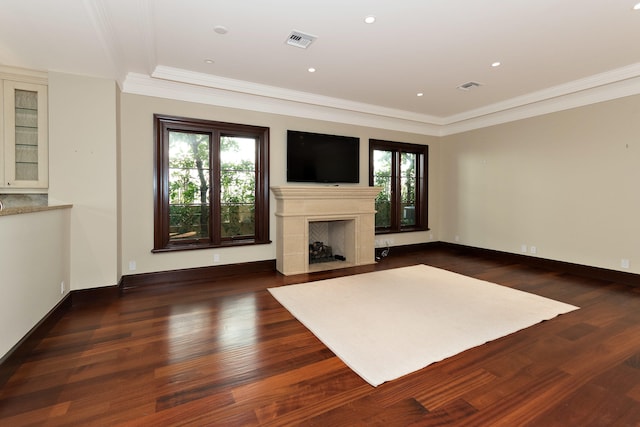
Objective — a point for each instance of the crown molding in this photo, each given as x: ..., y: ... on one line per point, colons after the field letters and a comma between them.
x: 555, y: 104
x: 172, y: 83
x: 140, y: 84
x: 595, y: 81
x: 241, y: 86
x: 614, y: 84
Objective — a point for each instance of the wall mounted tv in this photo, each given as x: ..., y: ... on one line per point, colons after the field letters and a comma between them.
x: 319, y: 158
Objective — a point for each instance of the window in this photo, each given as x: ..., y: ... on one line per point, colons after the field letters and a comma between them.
x: 401, y: 170
x: 211, y: 184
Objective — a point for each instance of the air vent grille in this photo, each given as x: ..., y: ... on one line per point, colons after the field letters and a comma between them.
x: 469, y: 86
x: 299, y: 39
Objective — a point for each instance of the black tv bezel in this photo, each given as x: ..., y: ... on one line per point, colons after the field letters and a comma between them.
x: 335, y: 142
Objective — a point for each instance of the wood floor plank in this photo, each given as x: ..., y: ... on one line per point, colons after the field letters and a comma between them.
x: 224, y: 352
x: 449, y: 391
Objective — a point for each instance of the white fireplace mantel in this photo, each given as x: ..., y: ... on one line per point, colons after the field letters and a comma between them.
x: 297, y: 206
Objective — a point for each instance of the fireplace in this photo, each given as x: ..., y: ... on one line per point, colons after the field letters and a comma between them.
x: 323, y: 228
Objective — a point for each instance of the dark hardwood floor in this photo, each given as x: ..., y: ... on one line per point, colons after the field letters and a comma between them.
x: 225, y: 353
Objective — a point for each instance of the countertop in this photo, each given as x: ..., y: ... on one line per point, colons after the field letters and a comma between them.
x: 18, y: 210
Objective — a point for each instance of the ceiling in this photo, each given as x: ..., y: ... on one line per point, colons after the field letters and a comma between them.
x: 546, y: 48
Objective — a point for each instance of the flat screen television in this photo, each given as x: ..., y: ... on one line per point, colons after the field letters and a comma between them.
x: 319, y: 158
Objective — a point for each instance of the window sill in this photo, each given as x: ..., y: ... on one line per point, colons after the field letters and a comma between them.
x: 402, y: 230
x: 195, y: 246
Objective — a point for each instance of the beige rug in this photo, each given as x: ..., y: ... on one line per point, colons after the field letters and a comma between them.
x: 389, y: 323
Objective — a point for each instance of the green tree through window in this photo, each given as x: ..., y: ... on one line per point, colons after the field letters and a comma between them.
x: 237, y: 186
x: 211, y: 184
x: 188, y: 185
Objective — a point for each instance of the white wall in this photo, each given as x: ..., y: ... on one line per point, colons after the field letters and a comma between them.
x: 137, y: 177
x: 77, y: 246
x: 566, y: 183
x: 83, y: 172
x: 34, y: 261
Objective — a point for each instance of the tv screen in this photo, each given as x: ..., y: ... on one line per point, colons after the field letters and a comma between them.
x: 314, y: 157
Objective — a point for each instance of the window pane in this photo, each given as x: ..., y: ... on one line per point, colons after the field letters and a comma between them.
x: 237, y: 186
x: 188, y: 185
x: 382, y: 178
x: 408, y: 188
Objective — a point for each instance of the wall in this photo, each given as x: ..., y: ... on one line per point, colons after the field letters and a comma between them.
x: 137, y: 177
x: 565, y: 183
x: 83, y: 172
x: 34, y: 261
x: 77, y: 246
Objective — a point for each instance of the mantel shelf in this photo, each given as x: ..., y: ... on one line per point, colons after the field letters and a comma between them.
x: 325, y: 192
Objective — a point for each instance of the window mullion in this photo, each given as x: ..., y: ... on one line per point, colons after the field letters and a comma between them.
x: 214, y: 198
x: 396, y: 191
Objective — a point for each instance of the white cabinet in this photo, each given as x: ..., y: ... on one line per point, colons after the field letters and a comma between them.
x: 24, y: 154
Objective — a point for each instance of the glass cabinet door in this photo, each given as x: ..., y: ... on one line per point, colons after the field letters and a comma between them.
x: 25, y: 135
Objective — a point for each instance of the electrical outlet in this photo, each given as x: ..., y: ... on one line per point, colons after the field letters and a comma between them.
x: 523, y: 249
x: 62, y: 288
x: 624, y: 263
x: 533, y: 250
x: 457, y: 238
x: 132, y: 265
x: 216, y: 257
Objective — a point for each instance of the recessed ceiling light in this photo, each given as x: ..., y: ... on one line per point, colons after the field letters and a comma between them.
x: 220, y: 29
x: 208, y: 61
x: 311, y: 70
x: 496, y: 64
x: 370, y: 19
x: 419, y: 94
x: 637, y: 6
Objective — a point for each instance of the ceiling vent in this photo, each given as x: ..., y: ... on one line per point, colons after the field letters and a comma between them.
x: 299, y: 39
x: 469, y: 86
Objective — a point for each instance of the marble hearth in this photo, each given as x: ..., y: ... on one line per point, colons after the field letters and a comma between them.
x: 347, y: 212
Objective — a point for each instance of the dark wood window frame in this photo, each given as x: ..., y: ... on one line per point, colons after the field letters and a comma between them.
x: 421, y: 189
x: 163, y: 124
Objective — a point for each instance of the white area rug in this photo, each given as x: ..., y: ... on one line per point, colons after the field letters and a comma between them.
x: 389, y: 323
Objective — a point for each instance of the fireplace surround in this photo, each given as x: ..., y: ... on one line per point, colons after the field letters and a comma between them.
x: 348, y: 211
